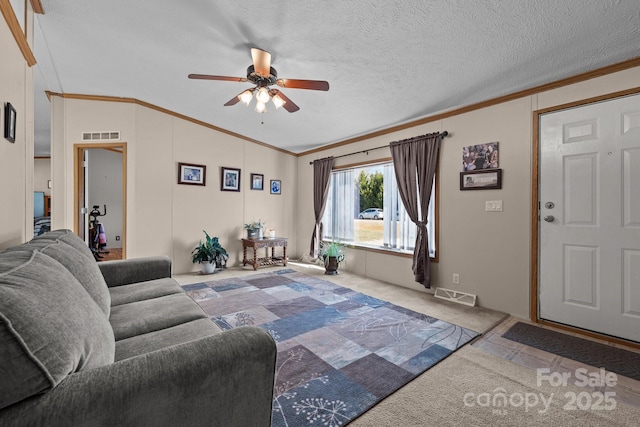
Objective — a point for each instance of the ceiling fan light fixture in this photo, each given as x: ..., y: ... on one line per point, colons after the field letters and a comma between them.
x: 277, y: 101
x: 246, y: 96
x: 262, y: 75
x: 261, y: 107
x: 263, y: 95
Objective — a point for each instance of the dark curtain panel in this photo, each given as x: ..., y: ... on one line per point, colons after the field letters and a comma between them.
x: 414, y: 162
x: 321, y: 174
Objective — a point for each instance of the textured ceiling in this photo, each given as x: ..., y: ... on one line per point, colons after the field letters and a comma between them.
x: 387, y: 63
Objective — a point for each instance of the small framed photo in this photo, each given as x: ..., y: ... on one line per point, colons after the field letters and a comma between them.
x: 257, y: 181
x: 10, y: 122
x: 276, y: 186
x: 481, y: 180
x: 191, y: 174
x: 229, y: 179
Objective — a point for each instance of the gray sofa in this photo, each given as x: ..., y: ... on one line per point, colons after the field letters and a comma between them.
x: 119, y: 343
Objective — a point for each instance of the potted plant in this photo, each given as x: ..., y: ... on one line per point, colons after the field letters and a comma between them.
x: 332, y: 255
x: 209, y: 254
x: 255, y: 229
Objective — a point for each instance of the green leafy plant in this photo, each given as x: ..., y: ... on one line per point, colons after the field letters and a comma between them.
x: 331, y: 249
x: 255, y: 225
x: 210, y: 251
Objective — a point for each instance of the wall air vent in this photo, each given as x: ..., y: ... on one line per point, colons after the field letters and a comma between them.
x: 101, y: 136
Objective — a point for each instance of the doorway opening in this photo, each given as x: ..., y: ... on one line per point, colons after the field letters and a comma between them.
x: 100, y: 188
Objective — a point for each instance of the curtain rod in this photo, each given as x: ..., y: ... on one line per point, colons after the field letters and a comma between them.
x: 443, y: 134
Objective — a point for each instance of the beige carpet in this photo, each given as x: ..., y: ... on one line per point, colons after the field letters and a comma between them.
x: 459, y: 391
x: 437, y: 397
x: 475, y: 318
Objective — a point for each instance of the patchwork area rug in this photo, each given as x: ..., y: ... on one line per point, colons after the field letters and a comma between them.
x: 339, y: 351
x: 623, y: 362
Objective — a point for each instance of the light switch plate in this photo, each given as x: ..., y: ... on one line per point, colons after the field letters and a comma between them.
x: 493, y: 206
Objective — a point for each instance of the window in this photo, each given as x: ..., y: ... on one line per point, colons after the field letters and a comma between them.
x: 364, y: 209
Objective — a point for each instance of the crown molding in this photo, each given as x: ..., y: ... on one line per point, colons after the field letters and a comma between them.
x: 165, y: 111
x: 16, y: 30
x: 37, y: 7
x: 610, y: 69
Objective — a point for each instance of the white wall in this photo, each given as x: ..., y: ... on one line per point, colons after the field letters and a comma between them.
x: 16, y: 160
x: 491, y: 251
x: 164, y: 218
x: 42, y: 175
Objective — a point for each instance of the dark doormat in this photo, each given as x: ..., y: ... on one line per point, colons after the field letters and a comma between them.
x: 622, y: 362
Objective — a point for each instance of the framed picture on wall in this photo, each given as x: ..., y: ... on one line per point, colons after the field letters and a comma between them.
x: 10, y: 122
x: 276, y: 186
x: 229, y: 179
x: 190, y: 174
x: 257, y: 181
x: 481, y: 180
x: 480, y: 156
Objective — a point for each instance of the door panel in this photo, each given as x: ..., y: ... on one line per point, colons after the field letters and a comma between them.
x: 581, y: 189
x: 589, y: 251
x: 581, y: 285
x: 631, y: 176
x: 631, y: 269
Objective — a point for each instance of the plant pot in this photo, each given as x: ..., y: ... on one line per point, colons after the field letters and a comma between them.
x: 207, y: 267
x: 331, y: 265
x: 252, y: 233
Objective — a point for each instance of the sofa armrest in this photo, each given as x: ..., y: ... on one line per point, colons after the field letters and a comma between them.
x: 222, y: 380
x: 128, y: 271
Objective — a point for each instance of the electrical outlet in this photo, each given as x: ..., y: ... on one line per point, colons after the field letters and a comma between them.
x: 456, y: 278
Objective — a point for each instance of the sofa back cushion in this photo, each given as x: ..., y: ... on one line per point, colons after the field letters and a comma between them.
x: 49, y: 326
x: 72, y: 252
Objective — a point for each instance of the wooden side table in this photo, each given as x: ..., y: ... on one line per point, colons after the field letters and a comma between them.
x: 265, y: 243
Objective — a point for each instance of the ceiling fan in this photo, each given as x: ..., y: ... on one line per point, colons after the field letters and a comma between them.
x: 263, y: 75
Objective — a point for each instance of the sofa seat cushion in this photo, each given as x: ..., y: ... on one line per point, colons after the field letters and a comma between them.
x: 164, y: 338
x: 141, y: 291
x: 142, y: 317
x: 85, y: 270
x: 49, y: 326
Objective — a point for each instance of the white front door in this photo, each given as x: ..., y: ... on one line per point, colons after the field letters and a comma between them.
x: 589, y: 242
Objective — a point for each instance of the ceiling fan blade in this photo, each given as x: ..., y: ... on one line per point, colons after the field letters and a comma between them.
x: 233, y: 101
x: 289, y: 105
x: 261, y: 61
x: 303, y: 84
x: 223, y: 78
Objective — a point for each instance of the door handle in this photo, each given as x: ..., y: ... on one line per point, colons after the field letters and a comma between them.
x: 549, y: 218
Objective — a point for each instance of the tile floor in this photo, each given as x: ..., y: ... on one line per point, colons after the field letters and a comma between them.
x: 627, y: 389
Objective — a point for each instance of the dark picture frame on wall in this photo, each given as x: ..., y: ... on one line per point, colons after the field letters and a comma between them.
x: 276, y: 186
x: 229, y: 179
x: 190, y: 174
x: 257, y: 181
x: 10, y: 117
x: 487, y: 179
x: 480, y: 156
